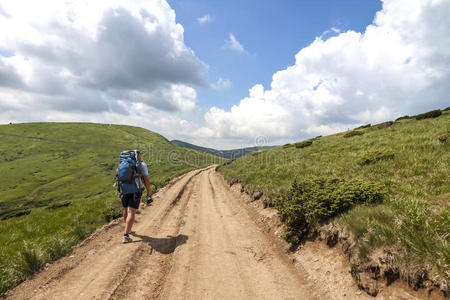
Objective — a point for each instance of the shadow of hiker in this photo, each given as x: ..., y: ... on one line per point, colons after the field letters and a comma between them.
x: 163, y: 245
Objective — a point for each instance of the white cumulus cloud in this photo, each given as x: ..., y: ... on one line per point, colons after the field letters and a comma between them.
x: 398, y: 65
x: 92, y: 57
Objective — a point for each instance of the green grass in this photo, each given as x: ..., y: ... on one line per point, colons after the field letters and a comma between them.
x: 57, y: 185
x: 407, y: 160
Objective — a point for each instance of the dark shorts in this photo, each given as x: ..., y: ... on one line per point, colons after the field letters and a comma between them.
x: 131, y: 200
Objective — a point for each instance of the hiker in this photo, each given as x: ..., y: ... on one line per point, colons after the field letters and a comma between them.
x: 131, y: 196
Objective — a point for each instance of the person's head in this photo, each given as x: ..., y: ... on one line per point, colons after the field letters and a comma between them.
x: 139, y: 155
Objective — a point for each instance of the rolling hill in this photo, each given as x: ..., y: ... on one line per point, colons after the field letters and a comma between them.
x: 228, y: 154
x: 57, y: 185
x: 383, y: 187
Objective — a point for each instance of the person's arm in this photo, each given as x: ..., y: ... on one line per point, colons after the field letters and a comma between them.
x: 147, y: 186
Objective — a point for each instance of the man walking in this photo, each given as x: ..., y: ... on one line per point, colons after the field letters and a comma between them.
x: 130, y: 202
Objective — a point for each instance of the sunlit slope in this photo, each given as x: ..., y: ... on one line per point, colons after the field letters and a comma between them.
x: 57, y: 182
x: 409, y: 160
x: 420, y: 166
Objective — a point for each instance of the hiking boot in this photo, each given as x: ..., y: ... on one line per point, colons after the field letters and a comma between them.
x: 126, y: 239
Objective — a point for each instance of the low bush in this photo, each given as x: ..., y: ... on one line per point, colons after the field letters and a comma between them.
x: 310, y: 201
x: 59, y: 204
x: 431, y: 114
x: 403, y: 118
x: 446, y: 109
x: 353, y: 133
x: 303, y: 144
x: 374, y: 156
x: 363, y: 126
x: 228, y: 162
x: 286, y: 145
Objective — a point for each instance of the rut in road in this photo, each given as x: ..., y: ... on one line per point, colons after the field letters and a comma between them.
x: 194, y: 242
x: 198, y: 240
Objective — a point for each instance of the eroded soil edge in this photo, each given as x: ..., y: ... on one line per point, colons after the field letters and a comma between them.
x: 329, y: 257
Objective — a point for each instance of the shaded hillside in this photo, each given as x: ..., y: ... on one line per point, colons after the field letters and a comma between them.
x: 228, y: 154
x: 57, y: 185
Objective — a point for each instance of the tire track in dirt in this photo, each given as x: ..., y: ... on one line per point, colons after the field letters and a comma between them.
x: 226, y: 257
x: 96, y: 269
x: 167, y: 264
x: 133, y: 286
x: 198, y: 240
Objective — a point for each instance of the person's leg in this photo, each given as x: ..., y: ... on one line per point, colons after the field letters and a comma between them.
x: 130, y: 219
x: 125, y: 214
x: 124, y: 199
x: 126, y: 204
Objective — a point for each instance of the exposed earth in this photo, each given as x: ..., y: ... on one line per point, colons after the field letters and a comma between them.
x: 200, y: 239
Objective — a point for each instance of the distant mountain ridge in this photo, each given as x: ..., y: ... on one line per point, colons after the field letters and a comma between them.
x: 229, y: 154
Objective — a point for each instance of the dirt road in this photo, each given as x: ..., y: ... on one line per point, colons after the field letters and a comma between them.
x: 197, y: 241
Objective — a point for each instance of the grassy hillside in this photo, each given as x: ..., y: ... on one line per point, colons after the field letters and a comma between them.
x: 57, y: 185
x: 389, y: 188
x: 228, y: 154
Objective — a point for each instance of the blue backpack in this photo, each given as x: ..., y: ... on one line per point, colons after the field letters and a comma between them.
x: 128, y: 176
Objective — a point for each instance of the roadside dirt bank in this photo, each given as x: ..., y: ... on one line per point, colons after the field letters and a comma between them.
x: 325, y: 260
x: 200, y: 239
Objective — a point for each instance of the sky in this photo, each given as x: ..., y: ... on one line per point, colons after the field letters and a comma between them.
x: 224, y: 74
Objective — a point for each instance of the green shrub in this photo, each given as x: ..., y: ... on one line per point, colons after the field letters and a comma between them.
x: 403, y: 118
x: 303, y: 144
x: 310, y: 201
x: 286, y: 145
x: 363, y: 126
x: 228, y: 162
x: 291, y: 238
x: 353, y: 133
x: 446, y: 109
x: 431, y: 114
x: 374, y: 156
x: 59, y: 204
